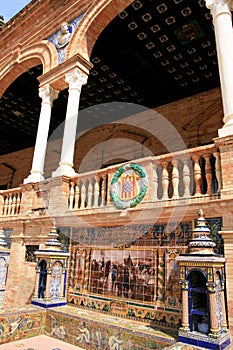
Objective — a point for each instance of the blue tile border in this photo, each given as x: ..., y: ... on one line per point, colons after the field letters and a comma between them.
x: 48, y: 305
x: 205, y: 344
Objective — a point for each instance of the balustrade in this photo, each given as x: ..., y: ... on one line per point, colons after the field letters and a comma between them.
x: 88, y: 190
x: 192, y: 173
x: 10, y: 202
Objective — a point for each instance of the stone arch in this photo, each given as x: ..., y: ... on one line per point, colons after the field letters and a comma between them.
x: 97, y: 17
x: 96, y: 139
x: 23, y: 59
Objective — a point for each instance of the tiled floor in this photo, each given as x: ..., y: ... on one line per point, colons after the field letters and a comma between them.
x: 41, y: 342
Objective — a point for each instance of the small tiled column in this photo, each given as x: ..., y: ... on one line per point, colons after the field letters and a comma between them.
x: 185, y: 306
x: 75, y: 79
x: 47, y: 94
x: 214, y: 329
x: 224, y: 316
x: 222, y: 19
x: 161, y: 277
x: 35, y: 294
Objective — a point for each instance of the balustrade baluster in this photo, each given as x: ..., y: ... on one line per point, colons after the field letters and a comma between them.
x: 18, y: 202
x: 165, y: 179
x: 2, y: 205
x: 76, y: 195
x: 89, y: 194
x: 218, y: 170
x: 10, y: 204
x: 208, y: 173
x: 83, y: 195
x: 103, y: 190
x: 96, y: 191
x: 197, y: 174
x: 71, y: 199
x: 186, y: 178
x: 175, y: 178
x: 7, y: 205
x: 13, y: 210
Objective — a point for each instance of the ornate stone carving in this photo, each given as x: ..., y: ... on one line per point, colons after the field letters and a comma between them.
x: 75, y: 79
x: 64, y: 35
x: 219, y: 6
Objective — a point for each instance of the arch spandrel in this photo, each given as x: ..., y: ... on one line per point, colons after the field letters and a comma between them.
x: 22, y: 59
x: 97, y: 17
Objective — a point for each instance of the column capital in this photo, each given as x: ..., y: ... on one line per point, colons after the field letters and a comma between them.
x: 184, y: 285
x: 211, y: 287
x: 76, y: 79
x: 47, y: 94
x: 217, y: 7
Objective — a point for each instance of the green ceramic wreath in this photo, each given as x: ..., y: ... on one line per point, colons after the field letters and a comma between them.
x: 123, y: 204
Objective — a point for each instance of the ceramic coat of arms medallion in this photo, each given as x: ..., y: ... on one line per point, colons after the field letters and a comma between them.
x: 128, y: 186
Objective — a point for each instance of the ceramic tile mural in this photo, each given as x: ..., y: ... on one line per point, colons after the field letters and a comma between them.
x: 94, y: 331
x: 123, y: 274
x: 21, y: 323
x: 139, y: 280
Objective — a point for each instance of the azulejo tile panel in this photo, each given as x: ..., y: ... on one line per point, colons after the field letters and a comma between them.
x: 21, y: 323
x: 93, y: 330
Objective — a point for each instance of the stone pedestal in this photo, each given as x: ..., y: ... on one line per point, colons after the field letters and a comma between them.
x: 51, y: 274
x: 202, y: 275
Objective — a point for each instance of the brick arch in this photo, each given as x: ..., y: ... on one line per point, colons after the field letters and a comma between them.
x: 89, y: 139
x: 22, y: 59
x: 97, y: 17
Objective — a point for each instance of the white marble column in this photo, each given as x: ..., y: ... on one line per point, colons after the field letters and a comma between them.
x: 75, y: 80
x: 222, y: 19
x: 47, y: 94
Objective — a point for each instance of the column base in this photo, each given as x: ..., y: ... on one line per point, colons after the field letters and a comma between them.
x: 204, y: 341
x: 64, y: 170
x: 48, y: 303
x: 34, y: 177
x: 225, y: 131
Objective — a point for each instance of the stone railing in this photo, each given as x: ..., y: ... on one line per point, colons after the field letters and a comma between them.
x: 192, y: 173
x: 10, y: 202
x: 89, y: 190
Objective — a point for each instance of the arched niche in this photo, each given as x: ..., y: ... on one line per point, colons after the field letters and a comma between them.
x: 42, y: 278
x: 199, y: 316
